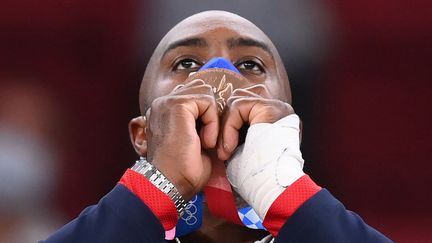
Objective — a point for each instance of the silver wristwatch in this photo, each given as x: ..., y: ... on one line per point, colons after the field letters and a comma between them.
x: 160, y: 181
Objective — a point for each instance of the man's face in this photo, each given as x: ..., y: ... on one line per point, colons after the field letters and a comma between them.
x: 201, y: 37
x: 169, y: 130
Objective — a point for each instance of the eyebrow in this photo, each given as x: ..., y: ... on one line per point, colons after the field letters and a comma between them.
x: 188, y: 42
x: 241, y: 41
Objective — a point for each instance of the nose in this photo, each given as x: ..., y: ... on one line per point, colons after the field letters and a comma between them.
x: 219, y: 62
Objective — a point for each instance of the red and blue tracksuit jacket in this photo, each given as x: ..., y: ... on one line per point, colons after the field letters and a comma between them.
x: 135, y: 211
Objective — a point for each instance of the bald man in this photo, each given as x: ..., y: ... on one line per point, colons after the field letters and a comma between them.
x: 211, y: 76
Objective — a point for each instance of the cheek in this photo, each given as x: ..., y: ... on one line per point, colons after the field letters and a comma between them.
x: 172, y: 78
x: 256, y: 79
x: 169, y: 80
x: 180, y: 78
x: 162, y: 88
x: 277, y: 90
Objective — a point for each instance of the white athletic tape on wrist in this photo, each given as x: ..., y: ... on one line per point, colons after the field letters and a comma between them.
x: 268, y: 162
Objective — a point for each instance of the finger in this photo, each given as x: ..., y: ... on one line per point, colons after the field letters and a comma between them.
x: 262, y: 110
x: 177, y: 88
x: 208, y: 129
x: 244, y: 93
x: 180, y: 87
x: 259, y: 89
x: 149, y: 135
x: 198, y: 89
x: 234, y: 118
x: 247, y: 110
x: 147, y: 117
x: 197, y: 81
x: 208, y: 113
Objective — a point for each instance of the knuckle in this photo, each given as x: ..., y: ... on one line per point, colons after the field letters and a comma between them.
x: 287, y: 107
x: 278, y: 109
x: 177, y: 88
x: 209, y: 89
x: 234, y: 103
x: 231, y: 99
x: 236, y: 92
x: 260, y: 87
x: 210, y: 99
x: 165, y: 103
x: 156, y: 103
x: 197, y: 81
x: 206, y: 97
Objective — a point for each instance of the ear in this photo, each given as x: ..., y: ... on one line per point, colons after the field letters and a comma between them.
x: 137, y: 134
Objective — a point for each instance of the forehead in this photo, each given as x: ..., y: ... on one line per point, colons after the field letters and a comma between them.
x: 214, y: 27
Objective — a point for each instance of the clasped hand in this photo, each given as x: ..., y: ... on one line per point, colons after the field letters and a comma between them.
x: 185, y: 155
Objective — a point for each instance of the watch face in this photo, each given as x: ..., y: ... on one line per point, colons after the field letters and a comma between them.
x: 223, y: 81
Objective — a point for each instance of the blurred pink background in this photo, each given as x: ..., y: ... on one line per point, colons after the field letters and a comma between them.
x: 360, y: 72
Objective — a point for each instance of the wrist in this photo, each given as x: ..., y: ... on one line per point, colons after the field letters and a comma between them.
x: 167, y: 166
x: 269, y: 161
x: 156, y: 191
x: 157, y: 201
x: 161, y: 182
x: 291, y: 199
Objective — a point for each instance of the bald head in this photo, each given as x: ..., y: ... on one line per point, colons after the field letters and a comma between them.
x: 200, y: 37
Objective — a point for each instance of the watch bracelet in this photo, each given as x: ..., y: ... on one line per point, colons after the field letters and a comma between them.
x: 143, y: 167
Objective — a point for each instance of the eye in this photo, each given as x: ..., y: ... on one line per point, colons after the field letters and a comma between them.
x: 250, y: 66
x: 187, y: 64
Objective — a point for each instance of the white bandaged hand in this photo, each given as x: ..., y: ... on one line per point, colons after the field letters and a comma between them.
x: 269, y: 161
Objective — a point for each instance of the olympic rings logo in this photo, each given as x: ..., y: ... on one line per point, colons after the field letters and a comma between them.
x: 190, y: 211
